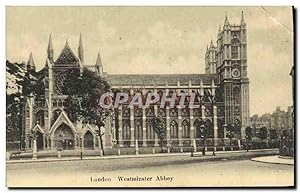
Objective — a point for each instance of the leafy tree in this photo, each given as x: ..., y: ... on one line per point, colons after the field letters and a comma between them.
x: 159, y: 129
x: 20, y: 84
x: 84, y: 92
x: 263, y: 133
x: 230, y: 132
x: 248, y: 135
x: 273, y: 134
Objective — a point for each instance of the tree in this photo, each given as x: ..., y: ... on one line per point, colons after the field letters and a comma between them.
x: 230, y: 132
x: 159, y: 129
x: 273, y: 134
x: 248, y: 135
x: 84, y: 92
x: 263, y: 133
x: 20, y: 84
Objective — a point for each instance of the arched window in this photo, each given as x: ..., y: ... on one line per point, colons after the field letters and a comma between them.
x: 186, y: 129
x: 150, y: 132
x: 209, y: 129
x: 138, y: 129
x: 235, y: 48
x: 236, y: 95
x: 88, y: 140
x: 126, y: 129
x: 174, y: 129
x: 197, y: 124
x: 39, y: 117
x: 56, y: 114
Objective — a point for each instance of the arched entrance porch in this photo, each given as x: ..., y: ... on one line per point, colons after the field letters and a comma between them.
x: 88, y: 140
x: 63, y: 138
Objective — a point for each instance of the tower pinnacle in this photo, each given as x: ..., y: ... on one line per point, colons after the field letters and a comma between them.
x: 243, y: 23
x: 30, y: 63
x: 226, y: 22
x: 98, y: 65
x: 80, y: 50
x: 50, y: 49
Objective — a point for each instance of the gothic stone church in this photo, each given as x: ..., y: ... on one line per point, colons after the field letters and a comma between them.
x: 222, y: 94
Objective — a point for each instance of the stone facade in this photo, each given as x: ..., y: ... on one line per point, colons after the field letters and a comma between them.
x: 222, y: 94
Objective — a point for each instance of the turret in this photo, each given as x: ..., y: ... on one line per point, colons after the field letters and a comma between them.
x: 243, y: 31
x: 80, y: 50
x: 227, y: 32
x: 98, y: 65
x: 226, y: 23
x: 210, y: 59
x: 243, y: 23
x: 30, y: 63
x: 50, y: 50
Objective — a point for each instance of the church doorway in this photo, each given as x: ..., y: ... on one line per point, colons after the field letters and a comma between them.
x: 64, y: 138
x: 88, y: 140
x: 39, y: 140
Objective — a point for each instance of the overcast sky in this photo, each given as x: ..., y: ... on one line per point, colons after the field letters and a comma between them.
x: 160, y: 40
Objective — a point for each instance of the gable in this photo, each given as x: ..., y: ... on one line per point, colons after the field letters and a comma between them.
x: 62, y: 118
x: 67, y: 56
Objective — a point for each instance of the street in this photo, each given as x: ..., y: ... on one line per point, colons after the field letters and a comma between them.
x: 173, y: 171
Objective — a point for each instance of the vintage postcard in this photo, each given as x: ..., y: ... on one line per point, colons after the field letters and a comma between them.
x: 149, y: 96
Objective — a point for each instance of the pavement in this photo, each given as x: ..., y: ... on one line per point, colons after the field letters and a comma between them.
x: 275, y: 159
x: 209, y: 156
x: 233, y: 169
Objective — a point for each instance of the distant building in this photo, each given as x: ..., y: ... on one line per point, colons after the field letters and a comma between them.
x: 278, y: 120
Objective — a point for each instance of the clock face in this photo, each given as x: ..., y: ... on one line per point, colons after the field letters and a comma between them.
x: 236, y: 73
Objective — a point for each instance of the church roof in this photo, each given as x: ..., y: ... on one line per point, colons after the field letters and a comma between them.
x: 67, y: 56
x: 161, y: 79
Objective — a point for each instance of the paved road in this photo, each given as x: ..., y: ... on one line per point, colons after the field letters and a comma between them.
x: 159, y: 171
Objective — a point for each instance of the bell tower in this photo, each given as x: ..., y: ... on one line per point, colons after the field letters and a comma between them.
x: 232, y: 70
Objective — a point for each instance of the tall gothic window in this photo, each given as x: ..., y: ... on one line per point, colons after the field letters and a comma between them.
x: 236, y: 95
x: 174, y: 129
x: 150, y: 133
x: 186, y: 129
x: 39, y: 117
x: 126, y: 129
x: 235, y: 48
x: 138, y: 129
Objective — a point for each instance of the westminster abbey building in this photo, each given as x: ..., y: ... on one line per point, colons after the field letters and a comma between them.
x: 222, y: 94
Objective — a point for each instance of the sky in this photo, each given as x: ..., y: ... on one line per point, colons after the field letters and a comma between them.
x: 160, y: 40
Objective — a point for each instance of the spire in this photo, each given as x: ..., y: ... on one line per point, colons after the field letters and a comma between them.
x: 98, y: 62
x: 30, y: 63
x: 50, y: 49
x: 226, y: 22
x: 80, y: 50
x: 211, y: 44
x: 46, y: 63
x: 98, y: 65
x: 243, y: 23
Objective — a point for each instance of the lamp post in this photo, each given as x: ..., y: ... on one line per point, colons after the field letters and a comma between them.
x: 225, y: 130
x: 81, y: 148
x: 34, y: 145
x: 203, y: 135
x: 99, y: 135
